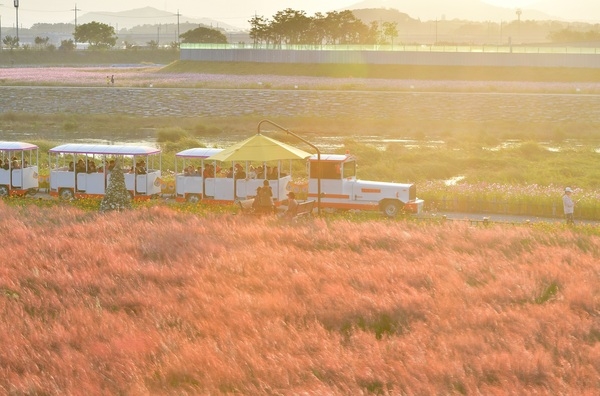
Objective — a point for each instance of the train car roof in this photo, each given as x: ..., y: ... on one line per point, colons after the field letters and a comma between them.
x: 17, y: 146
x: 332, y: 157
x: 198, y: 152
x: 76, y: 148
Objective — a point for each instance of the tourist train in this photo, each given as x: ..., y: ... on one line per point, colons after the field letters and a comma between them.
x: 208, y: 175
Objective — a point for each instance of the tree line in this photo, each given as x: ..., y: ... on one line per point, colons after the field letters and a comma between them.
x: 336, y: 27
x: 295, y: 27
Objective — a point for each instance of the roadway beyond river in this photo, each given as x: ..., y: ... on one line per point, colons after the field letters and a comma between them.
x: 195, y: 102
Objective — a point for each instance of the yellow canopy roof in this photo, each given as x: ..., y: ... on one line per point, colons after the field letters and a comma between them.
x: 259, y: 148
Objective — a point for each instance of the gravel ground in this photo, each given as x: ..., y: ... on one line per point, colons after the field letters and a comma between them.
x: 182, y: 102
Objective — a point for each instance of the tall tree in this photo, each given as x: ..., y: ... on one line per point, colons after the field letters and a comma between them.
x: 259, y: 29
x: 290, y: 26
x: 204, y: 35
x: 390, y: 29
x: 98, y: 35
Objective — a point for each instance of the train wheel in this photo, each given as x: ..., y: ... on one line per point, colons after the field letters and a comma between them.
x: 193, y: 198
x: 391, y: 208
x: 66, y: 194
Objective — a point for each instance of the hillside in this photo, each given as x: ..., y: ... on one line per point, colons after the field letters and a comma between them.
x: 159, y: 302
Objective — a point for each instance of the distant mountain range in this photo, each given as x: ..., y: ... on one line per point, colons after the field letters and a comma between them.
x: 148, y: 16
x: 473, y: 10
x: 479, y: 10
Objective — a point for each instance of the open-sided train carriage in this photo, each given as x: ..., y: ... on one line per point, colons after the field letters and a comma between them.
x: 18, y: 168
x: 83, y: 170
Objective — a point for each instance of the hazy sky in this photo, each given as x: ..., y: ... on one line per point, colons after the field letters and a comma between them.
x: 234, y: 12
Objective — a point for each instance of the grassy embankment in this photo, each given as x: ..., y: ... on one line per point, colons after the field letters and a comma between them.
x: 408, y: 72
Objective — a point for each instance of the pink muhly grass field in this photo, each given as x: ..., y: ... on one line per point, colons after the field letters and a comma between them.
x: 152, y: 76
x: 155, y: 301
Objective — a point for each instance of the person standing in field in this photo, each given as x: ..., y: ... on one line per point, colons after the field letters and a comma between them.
x: 568, y: 206
x: 265, y: 197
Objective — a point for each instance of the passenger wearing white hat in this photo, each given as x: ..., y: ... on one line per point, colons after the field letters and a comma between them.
x: 568, y: 205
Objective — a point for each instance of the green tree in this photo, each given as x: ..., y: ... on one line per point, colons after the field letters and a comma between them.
x: 390, y: 30
x: 67, y: 45
x: 41, y: 42
x: 11, y: 42
x: 290, y: 26
x: 569, y: 35
x: 98, y: 35
x: 204, y: 35
x: 259, y: 29
x: 117, y: 197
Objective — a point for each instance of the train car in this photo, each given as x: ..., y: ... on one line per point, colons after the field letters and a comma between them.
x: 18, y: 168
x: 340, y: 188
x: 190, y: 179
x: 213, y: 184
x: 83, y: 170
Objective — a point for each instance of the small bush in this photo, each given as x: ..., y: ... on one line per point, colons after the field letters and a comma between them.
x: 173, y: 134
x: 70, y: 126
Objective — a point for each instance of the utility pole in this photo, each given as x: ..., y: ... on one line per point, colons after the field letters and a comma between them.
x: 519, y: 12
x: 76, y: 9
x: 1, y: 30
x: 178, y: 15
x: 17, y: 11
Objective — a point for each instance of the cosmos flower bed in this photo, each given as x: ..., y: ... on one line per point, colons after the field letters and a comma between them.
x: 153, y: 77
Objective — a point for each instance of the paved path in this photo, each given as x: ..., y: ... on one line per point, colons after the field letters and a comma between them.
x: 183, y: 102
x: 478, y: 218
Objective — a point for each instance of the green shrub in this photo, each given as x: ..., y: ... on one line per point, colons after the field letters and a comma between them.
x: 70, y: 126
x: 172, y: 134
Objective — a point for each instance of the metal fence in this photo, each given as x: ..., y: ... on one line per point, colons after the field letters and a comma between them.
x: 502, y: 56
x: 516, y: 49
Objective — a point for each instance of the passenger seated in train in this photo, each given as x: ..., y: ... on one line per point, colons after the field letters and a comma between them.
x: 80, y: 167
x: 209, y: 171
x: 140, y: 168
x: 111, y: 165
x: 273, y: 174
x: 91, y: 167
x: 15, y: 164
x: 251, y: 172
x: 260, y: 172
x: 239, y: 172
x: 6, y: 165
